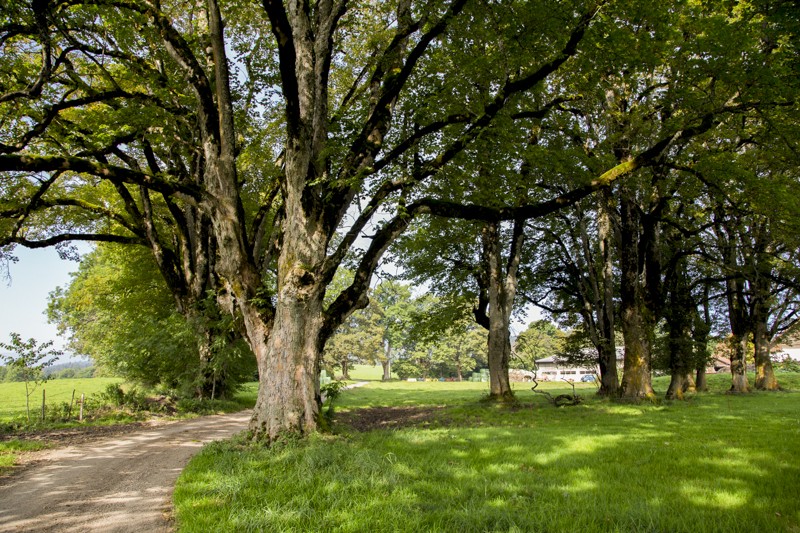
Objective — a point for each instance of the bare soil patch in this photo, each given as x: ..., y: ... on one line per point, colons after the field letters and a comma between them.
x: 389, y: 417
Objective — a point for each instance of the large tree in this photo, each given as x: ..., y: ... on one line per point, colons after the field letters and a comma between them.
x: 137, y: 100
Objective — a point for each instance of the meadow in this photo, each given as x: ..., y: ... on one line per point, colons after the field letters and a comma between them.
x: 434, y: 457
x: 58, y: 391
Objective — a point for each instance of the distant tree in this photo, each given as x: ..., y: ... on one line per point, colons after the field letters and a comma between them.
x: 29, y: 359
x: 540, y: 339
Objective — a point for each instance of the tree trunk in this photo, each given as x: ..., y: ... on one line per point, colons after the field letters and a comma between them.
x: 702, y: 329
x: 636, y: 380
x: 501, y: 292
x: 677, y: 385
x: 700, y: 380
x: 681, y: 346
x: 689, y: 384
x: 765, y: 375
x: 609, y: 379
x: 387, y: 363
x: 607, y: 360
x: 346, y: 369
x: 739, y: 366
x: 288, y: 396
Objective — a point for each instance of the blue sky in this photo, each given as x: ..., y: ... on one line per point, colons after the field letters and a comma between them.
x: 23, y: 301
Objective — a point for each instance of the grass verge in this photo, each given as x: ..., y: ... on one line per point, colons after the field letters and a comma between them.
x: 715, y: 462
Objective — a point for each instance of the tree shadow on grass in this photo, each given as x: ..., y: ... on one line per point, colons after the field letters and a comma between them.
x: 711, y: 465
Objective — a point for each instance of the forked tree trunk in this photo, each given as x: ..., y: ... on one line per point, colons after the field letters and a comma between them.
x: 702, y: 328
x: 499, y: 357
x: 677, y: 386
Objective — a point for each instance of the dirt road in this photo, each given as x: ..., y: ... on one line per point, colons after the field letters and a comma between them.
x: 117, y: 484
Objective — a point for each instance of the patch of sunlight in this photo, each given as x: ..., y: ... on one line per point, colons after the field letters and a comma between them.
x: 580, y: 485
x: 498, y: 502
x: 581, y: 480
x: 718, y: 498
x: 578, y: 445
x: 627, y: 410
x: 734, y: 458
x: 332, y: 487
x: 501, y: 468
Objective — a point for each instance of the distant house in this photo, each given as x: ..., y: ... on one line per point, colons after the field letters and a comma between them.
x: 790, y: 349
x: 555, y: 368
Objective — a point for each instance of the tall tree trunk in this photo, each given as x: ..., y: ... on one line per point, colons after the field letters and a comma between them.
x: 636, y: 380
x: 501, y: 292
x: 387, y: 362
x: 702, y: 329
x: 609, y: 379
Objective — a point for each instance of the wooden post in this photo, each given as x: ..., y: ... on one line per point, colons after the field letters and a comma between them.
x: 80, y: 416
x: 43, y: 397
x: 69, y: 414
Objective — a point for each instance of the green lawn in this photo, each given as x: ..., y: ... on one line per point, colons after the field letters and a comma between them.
x: 12, y: 395
x: 715, y: 462
x: 367, y: 373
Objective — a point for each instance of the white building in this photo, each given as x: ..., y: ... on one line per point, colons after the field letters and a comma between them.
x: 554, y: 368
x: 790, y: 350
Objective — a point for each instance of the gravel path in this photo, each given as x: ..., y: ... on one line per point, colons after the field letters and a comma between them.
x: 117, y: 484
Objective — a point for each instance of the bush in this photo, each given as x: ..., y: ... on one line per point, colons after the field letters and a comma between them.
x: 134, y: 399
x: 788, y: 365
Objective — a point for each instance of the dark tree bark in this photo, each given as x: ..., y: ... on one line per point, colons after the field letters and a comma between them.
x: 606, y: 346
x: 679, y: 324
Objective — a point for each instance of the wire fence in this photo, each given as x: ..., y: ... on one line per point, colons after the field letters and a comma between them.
x: 56, y: 396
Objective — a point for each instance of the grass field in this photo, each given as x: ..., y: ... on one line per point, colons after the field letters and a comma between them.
x: 715, y: 462
x: 12, y: 395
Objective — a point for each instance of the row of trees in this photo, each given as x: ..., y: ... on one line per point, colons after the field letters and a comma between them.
x: 256, y: 150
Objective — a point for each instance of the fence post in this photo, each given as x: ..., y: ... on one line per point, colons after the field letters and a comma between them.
x: 69, y: 413
x: 80, y: 417
x: 43, y: 397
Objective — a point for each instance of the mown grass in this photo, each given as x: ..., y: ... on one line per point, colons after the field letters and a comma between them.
x: 715, y: 462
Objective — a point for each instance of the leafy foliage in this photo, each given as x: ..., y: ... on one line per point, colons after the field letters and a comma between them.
x: 28, y: 361
x: 118, y: 311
